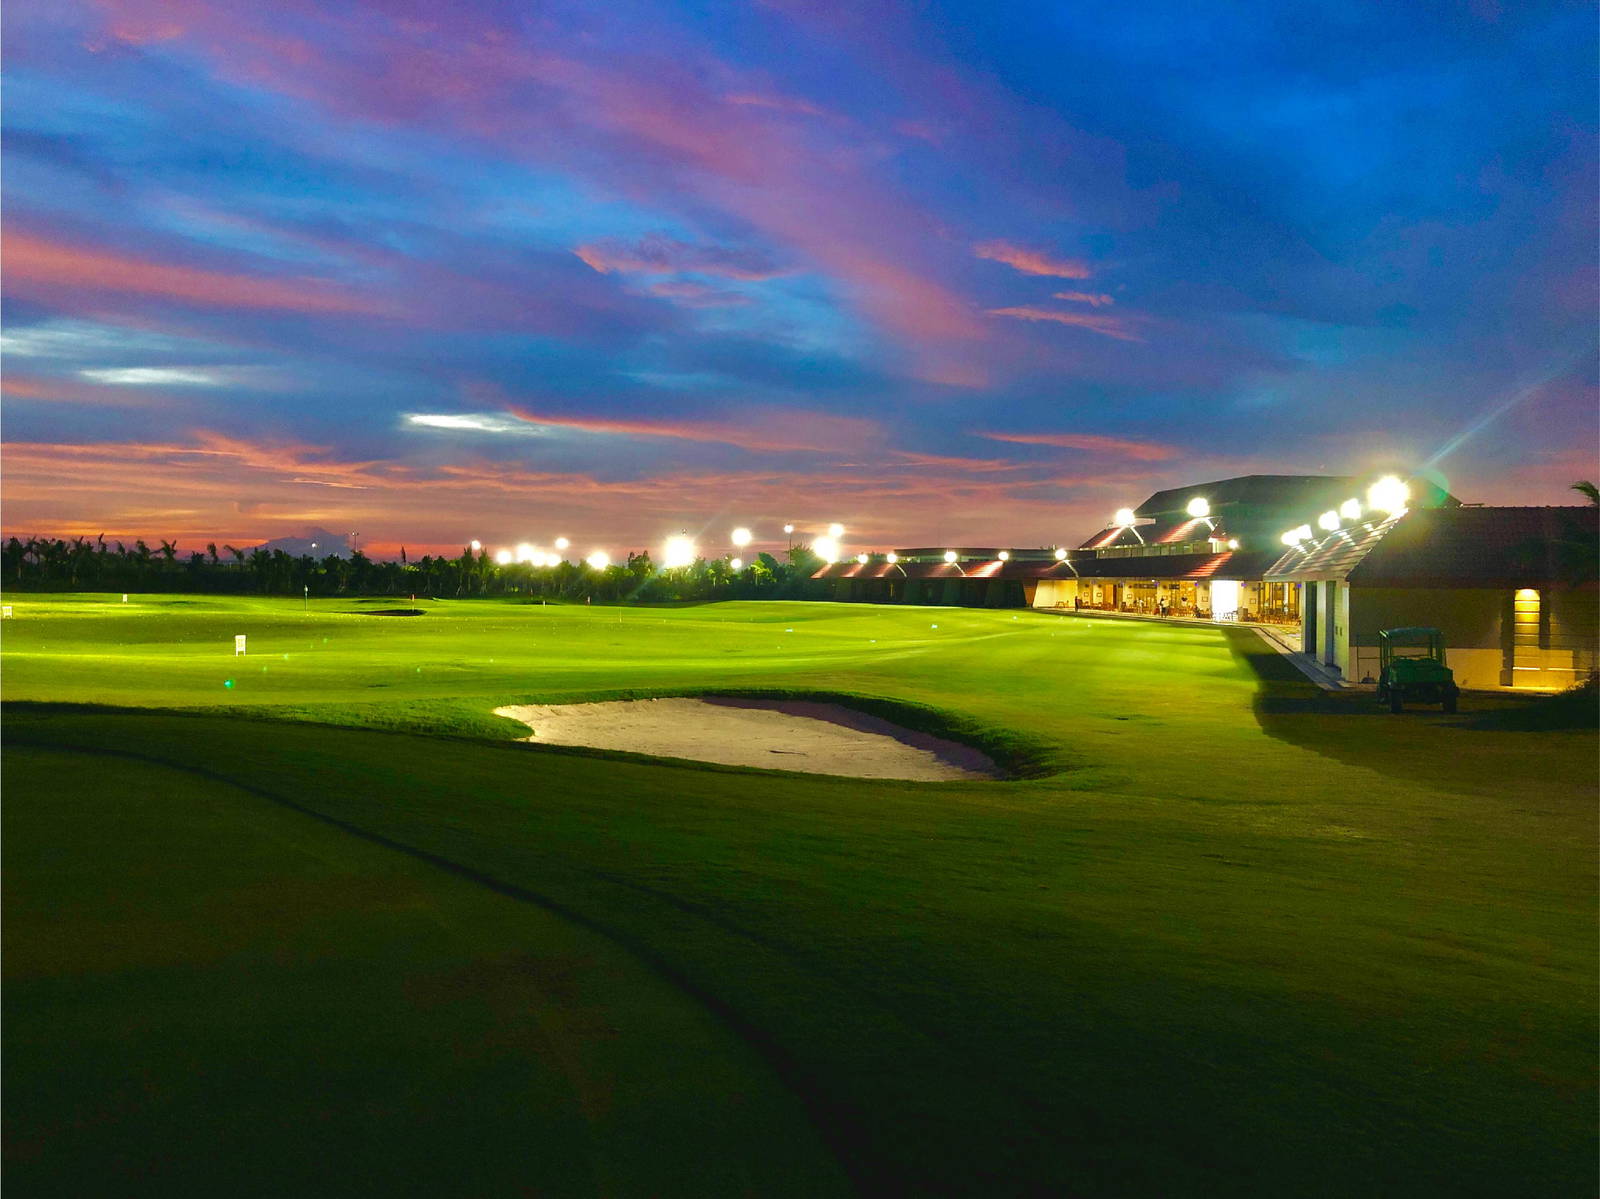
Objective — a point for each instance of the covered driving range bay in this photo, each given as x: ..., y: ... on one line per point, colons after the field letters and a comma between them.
x: 313, y: 919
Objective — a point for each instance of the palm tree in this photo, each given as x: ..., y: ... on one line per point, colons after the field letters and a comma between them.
x: 1585, y: 487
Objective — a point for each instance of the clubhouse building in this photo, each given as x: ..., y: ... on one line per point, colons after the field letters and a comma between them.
x: 1514, y: 589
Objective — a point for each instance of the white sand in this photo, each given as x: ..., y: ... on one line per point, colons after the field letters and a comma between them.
x: 775, y: 734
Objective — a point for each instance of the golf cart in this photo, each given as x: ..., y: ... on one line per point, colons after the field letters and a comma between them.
x: 1411, y: 667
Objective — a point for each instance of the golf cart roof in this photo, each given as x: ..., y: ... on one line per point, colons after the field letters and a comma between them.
x: 1411, y: 635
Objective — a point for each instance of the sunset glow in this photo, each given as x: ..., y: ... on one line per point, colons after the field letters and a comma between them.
x: 629, y: 269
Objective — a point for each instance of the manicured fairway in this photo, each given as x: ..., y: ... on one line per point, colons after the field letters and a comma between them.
x: 1232, y: 937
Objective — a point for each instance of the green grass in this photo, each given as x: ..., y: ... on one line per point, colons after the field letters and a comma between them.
x: 1232, y: 936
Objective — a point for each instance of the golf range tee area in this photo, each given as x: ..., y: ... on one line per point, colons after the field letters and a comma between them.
x: 313, y: 919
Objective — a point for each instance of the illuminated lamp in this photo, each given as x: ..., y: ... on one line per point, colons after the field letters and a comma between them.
x: 740, y: 537
x: 1005, y: 555
x: 736, y: 564
x: 476, y: 545
x: 1061, y: 555
x: 679, y: 551
x: 1350, y: 509
x: 1388, y: 495
x: 891, y: 557
x: 1329, y: 520
x: 1303, y: 533
x: 949, y: 555
x: 1199, y: 508
x: 861, y: 559
x: 1123, y: 517
x: 562, y: 543
x: 836, y: 530
x: 1233, y: 543
x: 525, y: 552
x: 826, y: 548
x: 504, y: 558
x: 598, y: 560
x: 788, y: 528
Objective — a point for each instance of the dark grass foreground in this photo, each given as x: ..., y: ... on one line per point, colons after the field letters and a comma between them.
x: 1239, y: 939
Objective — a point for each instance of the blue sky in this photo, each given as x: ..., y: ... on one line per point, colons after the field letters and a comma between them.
x: 947, y: 272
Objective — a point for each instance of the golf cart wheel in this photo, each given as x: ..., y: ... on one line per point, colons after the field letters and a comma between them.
x: 1396, y: 704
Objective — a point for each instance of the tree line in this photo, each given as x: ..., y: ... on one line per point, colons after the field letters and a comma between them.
x: 81, y: 564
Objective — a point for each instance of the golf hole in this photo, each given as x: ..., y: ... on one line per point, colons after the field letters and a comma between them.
x: 776, y: 734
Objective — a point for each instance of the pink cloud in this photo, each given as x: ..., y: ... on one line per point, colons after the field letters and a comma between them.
x: 1031, y: 262
x: 35, y: 265
x: 1144, y: 451
x: 777, y: 432
x: 1095, y: 299
x: 776, y: 103
x: 1106, y: 326
x: 657, y: 117
x: 697, y: 295
x: 656, y: 254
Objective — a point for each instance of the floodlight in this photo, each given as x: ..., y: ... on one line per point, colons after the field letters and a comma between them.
x: 736, y: 564
x: 679, y: 551
x: 525, y: 552
x: 949, y: 555
x: 1061, y: 555
x: 1303, y: 533
x: 1233, y: 543
x: 562, y: 543
x: 598, y: 560
x: 862, y: 559
x: 788, y: 528
x: 826, y: 548
x: 836, y: 530
x: 476, y: 545
x: 1123, y: 517
x: 740, y: 537
x: 1329, y: 520
x: 1388, y: 495
x: 1005, y: 555
x: 1350, y: 509
x: 1292, y: 537
x: 1199, y: 508
x: 504, y: 558
x: 891, y: 557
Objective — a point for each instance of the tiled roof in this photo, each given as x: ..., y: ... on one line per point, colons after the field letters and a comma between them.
x: 1334, y: 555
x: 1115, y: 535
x: 1226, y: 565
x: 1457, y: 547
x: 993, y: 569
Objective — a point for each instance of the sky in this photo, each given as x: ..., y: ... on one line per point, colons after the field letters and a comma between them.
x: 946, y: 273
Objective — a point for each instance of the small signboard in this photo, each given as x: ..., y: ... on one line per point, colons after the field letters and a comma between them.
x: 238, y: 645
x: 5, y: 612
x: 124, y: 597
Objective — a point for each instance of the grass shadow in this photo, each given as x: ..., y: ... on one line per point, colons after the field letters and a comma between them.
x: 1422, y: 745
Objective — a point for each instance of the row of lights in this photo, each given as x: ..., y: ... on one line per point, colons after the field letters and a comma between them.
x: 678, y: 551
x: 1388, y: 495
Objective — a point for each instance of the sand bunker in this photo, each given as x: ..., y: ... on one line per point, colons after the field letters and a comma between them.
x: 775, y: 734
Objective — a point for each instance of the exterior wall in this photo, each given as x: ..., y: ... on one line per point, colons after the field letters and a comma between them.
x: 1554, y: 638
x: 1341, y: 629
x: 1054, y: 593
x: 1482, y: 644
x: 1470, y: 618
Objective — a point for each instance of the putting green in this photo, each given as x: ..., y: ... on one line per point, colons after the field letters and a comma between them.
x: 1236, y: 936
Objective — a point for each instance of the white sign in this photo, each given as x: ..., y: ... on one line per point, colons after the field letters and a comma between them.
x: 5, y: 612
x: 238, y: 645
x: 124, y: 597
